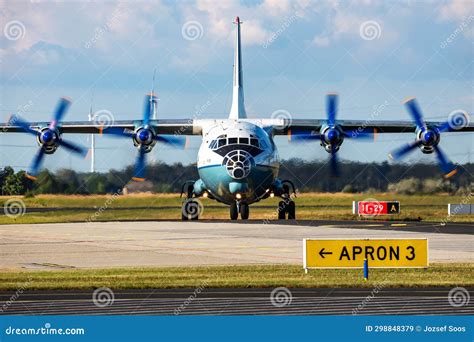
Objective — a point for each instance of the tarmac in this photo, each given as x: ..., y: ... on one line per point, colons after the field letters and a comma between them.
x: 177, y: 243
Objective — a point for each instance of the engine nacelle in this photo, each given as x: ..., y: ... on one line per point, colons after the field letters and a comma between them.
x: 144, y: 138
x: 428, y: 138
x: 331, y: 138
x: 48, y: 140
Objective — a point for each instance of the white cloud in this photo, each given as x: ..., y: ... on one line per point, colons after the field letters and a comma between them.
x: 457, y: 10
x: 321, y: 40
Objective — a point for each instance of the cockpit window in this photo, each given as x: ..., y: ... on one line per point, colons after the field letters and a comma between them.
x: 222, y: 141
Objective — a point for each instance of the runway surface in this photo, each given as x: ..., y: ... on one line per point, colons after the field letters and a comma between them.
x: 212, y: 301
x: 175, y: 243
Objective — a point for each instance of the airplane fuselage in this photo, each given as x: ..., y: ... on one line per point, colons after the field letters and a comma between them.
x: 237, y: 160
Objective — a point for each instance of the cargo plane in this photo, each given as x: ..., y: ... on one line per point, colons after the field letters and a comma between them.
x: 238, y: 160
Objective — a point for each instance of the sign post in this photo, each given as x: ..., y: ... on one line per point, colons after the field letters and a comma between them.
x: 350, y: 253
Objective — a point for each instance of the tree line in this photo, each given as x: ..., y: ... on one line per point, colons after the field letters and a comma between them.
x: 306, y: 175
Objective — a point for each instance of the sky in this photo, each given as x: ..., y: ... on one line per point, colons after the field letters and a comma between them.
x: 104, y: 53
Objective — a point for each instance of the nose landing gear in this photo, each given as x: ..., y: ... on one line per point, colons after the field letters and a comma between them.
x: 239, y: 207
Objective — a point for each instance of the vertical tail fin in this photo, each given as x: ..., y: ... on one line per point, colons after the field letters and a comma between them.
x: 237, y: 110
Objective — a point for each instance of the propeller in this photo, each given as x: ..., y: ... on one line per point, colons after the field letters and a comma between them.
x: 144, y: 138
x: 331, y: 135
x: 49, y: 138
x: 427, y: 139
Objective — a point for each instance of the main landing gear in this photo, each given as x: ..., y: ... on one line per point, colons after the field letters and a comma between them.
x: 238, y: 207
x: 286, y: 207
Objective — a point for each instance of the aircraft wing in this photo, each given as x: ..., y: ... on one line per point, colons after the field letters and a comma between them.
x: 289, y: 126
x: 171, y: 126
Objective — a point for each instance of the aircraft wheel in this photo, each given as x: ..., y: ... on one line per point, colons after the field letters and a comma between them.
x: 234, y: 211
x: 291, y: 207
x: 281, y: 210
x: 191, y: 210
x: 244, y: 211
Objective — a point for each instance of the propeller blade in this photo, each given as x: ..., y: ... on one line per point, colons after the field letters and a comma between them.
x: 172, y: 140
x: 331, y: 108
x: 36, y: 164
x: 73, y: 147
x: 24, y: 125
x: 303, y: 137
x: 118, y: 132
x: 448, y: 168
x: 139, y: 174
x: 415, y: 112
x: 61, y: 109
x: 402, y: 151
x: 147, y: 108
x: 334, y: 163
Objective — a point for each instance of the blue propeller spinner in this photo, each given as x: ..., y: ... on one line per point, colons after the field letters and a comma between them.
x: 427, y: 139
x: 49, y: 138
x: 331, y: 135
x: 145, y: 138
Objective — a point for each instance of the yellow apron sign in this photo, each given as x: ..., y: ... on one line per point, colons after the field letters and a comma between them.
x: 388, y: 253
